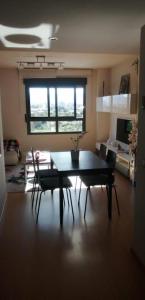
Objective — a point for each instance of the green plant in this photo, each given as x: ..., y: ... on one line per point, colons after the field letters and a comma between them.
x: 76, y: 140
x: 132, y: 137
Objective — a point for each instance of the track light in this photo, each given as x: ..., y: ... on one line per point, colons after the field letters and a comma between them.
x: 40, y: 62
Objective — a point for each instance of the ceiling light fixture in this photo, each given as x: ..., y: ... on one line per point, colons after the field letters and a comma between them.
x: 41, y: 63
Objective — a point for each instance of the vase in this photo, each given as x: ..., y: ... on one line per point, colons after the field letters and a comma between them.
x: 75, y: 155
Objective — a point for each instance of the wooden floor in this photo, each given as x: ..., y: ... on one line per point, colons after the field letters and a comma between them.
x: 87, y: 260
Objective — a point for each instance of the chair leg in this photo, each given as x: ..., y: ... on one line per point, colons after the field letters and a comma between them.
x: 67, y: 196
x: 38, y: 206
x: 33, y: 191
x: 32, y: 198
x: 79, y: 194
x: 86, y: 202
x: 107, y: 191
x: 37, y: 198
x: 117, y: 203
x: 76, y: 183
x: 71, y: 203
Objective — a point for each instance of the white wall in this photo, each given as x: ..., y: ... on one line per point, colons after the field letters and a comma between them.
x: 103, y: 82
x: 124, y: 68
x: 139, y: 203
x: 14, y: 108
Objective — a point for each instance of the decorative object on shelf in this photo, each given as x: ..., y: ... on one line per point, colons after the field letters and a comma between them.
x: 132, y: 138
x: 136, y: 64
x: 124, y: 84
x: 76, y: 140
x: 132, y: 149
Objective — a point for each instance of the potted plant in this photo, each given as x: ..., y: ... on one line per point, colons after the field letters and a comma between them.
x: 76, y: 140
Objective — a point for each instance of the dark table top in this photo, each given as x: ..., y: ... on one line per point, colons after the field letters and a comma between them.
x: 88, y: 163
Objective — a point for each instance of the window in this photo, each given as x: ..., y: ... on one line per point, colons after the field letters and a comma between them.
x: 55, y: 105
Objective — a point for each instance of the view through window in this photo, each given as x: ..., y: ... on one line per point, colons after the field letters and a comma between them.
x: 55, y: 105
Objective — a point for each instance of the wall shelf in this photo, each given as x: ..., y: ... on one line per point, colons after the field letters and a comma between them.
x: 119, y: 104
x: 104, y: 104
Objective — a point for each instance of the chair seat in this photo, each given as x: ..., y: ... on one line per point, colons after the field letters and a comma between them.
x: 97, y: 180
x: 53, y: 183
x: 47, y: 173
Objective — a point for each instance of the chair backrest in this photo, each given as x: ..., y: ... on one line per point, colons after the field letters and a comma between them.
x: 102, y: 152
x: 111, y: 158
x: 35, y: 161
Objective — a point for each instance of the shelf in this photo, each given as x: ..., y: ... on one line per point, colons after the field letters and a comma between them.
x: 103, y: 104
x: 122, y: 104
x: 124, y: 157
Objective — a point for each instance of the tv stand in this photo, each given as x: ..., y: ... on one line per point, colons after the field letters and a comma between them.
x: 123, y: 163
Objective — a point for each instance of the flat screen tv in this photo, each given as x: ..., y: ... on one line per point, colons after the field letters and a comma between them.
x: 123, y: 129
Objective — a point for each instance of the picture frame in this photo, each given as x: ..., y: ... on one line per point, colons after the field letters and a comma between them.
x: 124, y: 84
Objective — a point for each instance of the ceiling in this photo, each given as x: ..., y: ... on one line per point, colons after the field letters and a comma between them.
x: 89, y: 34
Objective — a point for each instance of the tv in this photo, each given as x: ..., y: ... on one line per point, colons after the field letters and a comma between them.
x: 123, y: 129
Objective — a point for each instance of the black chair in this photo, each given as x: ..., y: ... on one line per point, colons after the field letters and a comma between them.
x: 103, y: 150
x: 101, y: 179
x: 48, y: 180
x: 47, y: 172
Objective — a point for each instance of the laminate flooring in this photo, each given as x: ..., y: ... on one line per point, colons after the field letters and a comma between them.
x: 89, y: 259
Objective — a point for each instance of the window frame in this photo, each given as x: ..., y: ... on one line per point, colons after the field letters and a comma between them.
x: 55, y: 83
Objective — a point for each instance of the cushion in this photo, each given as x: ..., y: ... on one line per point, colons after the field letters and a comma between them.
x: 11, y: 152
x: 11, y: 158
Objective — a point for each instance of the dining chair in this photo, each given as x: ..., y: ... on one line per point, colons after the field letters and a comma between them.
x: 103, y: 150
x: 42, y: 172
x: 49, y: 182
x: 101, y: 180
x: 102, y: 154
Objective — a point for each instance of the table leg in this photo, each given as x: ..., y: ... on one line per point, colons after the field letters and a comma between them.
x: 25, y: 172
x: 61, y: 201
x: 110, y: 201
x: 51, y: 164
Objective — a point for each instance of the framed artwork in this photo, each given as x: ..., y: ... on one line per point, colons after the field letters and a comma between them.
x: 125, y: 84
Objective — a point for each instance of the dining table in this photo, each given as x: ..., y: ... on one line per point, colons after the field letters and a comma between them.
x: 87, y: 164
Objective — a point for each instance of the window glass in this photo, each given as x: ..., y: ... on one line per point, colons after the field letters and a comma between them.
x: 38, y: 102
x: 70, y: 126
x: 52, y: 102
x: 65, y: 102
x: 55, y: 105
x: 42, y: 126
x: 79, y: 102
